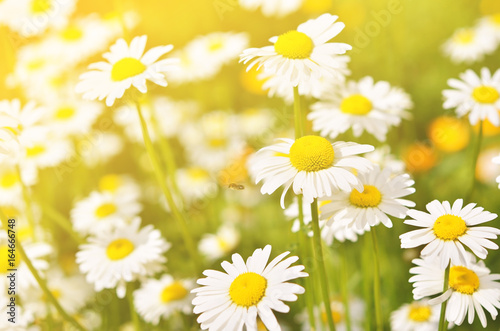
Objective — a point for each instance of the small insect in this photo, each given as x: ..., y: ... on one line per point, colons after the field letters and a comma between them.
x: 237, y: 187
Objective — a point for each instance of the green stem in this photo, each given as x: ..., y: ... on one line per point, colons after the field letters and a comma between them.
x: 62, y: 221
x: 475, y: 156
x: 376, y: 283
x: 320, y: 263
x: 178, y: 215
x: 27, y: 202
x: 442, y: 320
x: 345, y: 291
x: 298, y: 118
x: 43, y: 285
x: 133, y: 313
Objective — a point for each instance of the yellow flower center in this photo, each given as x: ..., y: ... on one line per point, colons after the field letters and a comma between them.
x: 485, y: 94
x: 35, y: 64
x: 126, y: 68
x: 217, y: 142
x: 40, y: 6
x: 35, y: 150
x: 463, y: 280
x: 311, y: 153
x: 9, y: 179
x: 336, y: 315
x: 197, y: 174
x: 356, y: 104
x: 495, y: 19
x: 119, y: 249
x: 105, y: 210
x: 215, y: 44
x: 65, y: 113
x: 4, y: 259
x: 294, y: 45
x: 110, y: 183
x: 464, y: 37
x: 248, y: 289
x: 172, y: 292
x: 419, y: 313
x: 72, y: 33
x: 370, y: 197
x: 449, y: 227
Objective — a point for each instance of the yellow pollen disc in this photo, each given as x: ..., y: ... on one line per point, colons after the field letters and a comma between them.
x: 485, y: 94
x: 311, y: 153
x: 119, y: 249
x: 495, y: 19
x: 197, y: 174
x: 356, y: 104
x: 217, y: 142
x: 449, y: 227
x: 4, y: 259
x: 9, y: 179
x: 464, y: 36
x: 35, y: 150
x: 294, y: 45
x: 248, y: 289
x: 419, y: 313
x: 105, y: 210
x: 40, y: 6
x: 110, y: 183
x: 463, y: 280
x: 370, y: 197
x: 72, y: 33
x: 336, y: 315
x: 172, y: 292
x: 65, y: 113
x: 126, y: 68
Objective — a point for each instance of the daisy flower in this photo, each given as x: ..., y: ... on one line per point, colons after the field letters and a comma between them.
x: 468, y: 45
x: 160, y: 298
x: 119, y: 185
x: 11, y: 190
x: 103, y: 147
x: 362, y: 106
x: 478, y: 96
x: 471, y: 287
x: 24, y: 117
x: 219, y: 48
x: 277, y: 8
x: 449, y: 134
x: 126, y: 66
x: 223, y: 242
x: 111, y: 259
x: 380, y: 197
x: 72, y: 117
x: 416, y: 316
x: 102, y: 211
x: 446, y: 229
x: 229, y: 301
x: 314, y: 166
x: 496, y: 160
x: 356, y: 311
x: 299, y: 55
x: 10, y: 149
x: 491, y: 24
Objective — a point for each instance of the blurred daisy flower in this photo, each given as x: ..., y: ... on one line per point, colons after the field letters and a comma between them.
x: 72, y: 292
x: 298, y: 56
x: 228, y: 301
x: 471, y: 288
x: 23, y: 117
x: 416, y: 316
x: 496, y: 160
x: 119, y: 185
x: 491, y: 24
x: 277, y: 8
x: 126, y: 66
x: 100, y: 148
x: 217, y: 245
x: 336, y: 230
x: 111, y: 259
x: 314, y: 166
x: 446, y: 229
x: 478, y: 96
x: 362, y: 106
x: 11, y: 190
x: 33, y: 17
x: 449, y: 134
x: 468, y: 45
x: 381, y: 196
x: 356, y: 312
x: 103, y: 211
x: 160, y: 298
x: 72, y: 117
